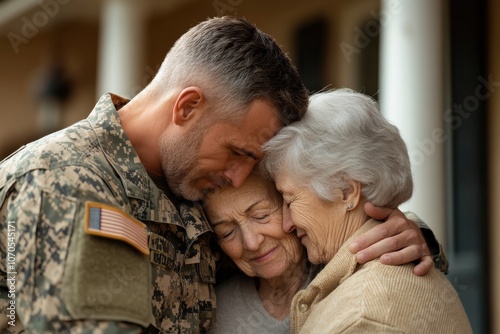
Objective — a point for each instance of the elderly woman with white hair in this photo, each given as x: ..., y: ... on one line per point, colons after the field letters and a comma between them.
x: 341, y: 155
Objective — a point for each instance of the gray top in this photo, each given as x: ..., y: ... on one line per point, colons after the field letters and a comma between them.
x: 240, y: 310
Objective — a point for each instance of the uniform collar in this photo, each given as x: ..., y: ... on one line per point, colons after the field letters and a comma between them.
x: 122, y: 156
x: 117, y: 147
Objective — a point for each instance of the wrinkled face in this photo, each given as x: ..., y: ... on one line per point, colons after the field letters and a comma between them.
x: 319, y: 224
x: 210, y: 157
x: 248, y: 225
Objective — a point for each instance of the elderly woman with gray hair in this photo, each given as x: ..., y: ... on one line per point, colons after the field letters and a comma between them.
x: 341, y: 155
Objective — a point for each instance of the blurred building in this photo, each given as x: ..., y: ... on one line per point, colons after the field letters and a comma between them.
x: 434, y: 65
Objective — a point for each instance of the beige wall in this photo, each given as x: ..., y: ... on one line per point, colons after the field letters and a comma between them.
x: 494, y: 167
x: 20, y: 74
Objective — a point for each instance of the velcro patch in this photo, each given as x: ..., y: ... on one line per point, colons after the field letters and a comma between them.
x: 109, y: 222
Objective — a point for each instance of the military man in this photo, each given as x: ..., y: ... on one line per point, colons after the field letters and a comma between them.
x: 100, y: 223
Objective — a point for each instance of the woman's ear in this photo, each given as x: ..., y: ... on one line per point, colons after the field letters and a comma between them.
x: 352, y: 194
x: 189, y: 100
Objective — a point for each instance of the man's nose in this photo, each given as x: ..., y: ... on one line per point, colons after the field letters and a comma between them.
x: 238, y: 172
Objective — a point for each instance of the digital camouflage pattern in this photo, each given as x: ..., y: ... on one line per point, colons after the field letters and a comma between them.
x: 436, y: 249
x: 43, y: 190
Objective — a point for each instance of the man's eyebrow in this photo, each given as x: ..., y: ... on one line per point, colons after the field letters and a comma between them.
x: 251, y: 155
x: 246, y: 152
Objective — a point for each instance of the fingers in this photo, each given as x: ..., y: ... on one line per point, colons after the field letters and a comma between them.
x: 403, y: 256
x: 406, y: 255
x: 393, y: 227
x: 397, y: 241
x: 425, y: 265
x: 402, y: 248
x: 374, y: 235
x: 391, y: 252
x: 378, y: 213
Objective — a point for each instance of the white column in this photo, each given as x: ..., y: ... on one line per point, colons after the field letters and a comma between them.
x: 413, y: 97
x: 121, y: 47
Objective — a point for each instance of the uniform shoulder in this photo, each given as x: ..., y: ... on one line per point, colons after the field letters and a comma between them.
x: 69, y: 161
x: 66, y: 147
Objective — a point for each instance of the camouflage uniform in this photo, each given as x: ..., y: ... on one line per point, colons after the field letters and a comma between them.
x: 69, y: 281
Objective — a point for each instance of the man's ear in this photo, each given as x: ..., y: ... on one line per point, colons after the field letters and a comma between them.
x: 352, y: 194
x: 188, y: 101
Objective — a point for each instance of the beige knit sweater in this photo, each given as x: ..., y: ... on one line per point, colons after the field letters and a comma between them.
x: 346, y: 297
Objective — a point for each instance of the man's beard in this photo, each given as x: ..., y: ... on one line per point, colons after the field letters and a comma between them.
x: 179, y: 162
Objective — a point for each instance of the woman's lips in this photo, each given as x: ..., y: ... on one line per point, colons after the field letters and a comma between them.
x: 264, y: 256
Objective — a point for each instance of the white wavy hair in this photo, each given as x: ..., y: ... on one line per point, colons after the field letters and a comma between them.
x: 343, y: 136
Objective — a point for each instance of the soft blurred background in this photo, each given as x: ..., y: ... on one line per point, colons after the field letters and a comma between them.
x: 433, y: 65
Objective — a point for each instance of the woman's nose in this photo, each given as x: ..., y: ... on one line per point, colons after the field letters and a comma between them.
x: 252, y: 239
x: 287, y: 220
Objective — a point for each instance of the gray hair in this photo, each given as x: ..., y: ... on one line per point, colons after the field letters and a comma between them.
x: 343, y: 136
x: 234, y: 63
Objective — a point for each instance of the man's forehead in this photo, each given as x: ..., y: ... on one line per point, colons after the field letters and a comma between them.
x: 266, y: 133
x: 262, y: 124
x: 253, y: 143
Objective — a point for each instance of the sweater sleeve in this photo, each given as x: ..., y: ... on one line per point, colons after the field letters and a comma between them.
x: 364, y: 325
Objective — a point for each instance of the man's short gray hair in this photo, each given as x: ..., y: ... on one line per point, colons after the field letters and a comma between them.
x: 235, y: 64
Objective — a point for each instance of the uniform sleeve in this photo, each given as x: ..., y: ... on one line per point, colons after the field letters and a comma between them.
x: 436, y: 249
x: 42, y: 222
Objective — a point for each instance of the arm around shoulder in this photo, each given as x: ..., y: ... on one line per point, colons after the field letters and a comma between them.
x: 435, y: 248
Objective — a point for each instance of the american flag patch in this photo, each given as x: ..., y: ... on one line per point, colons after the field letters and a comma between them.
x: 107, y: 221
